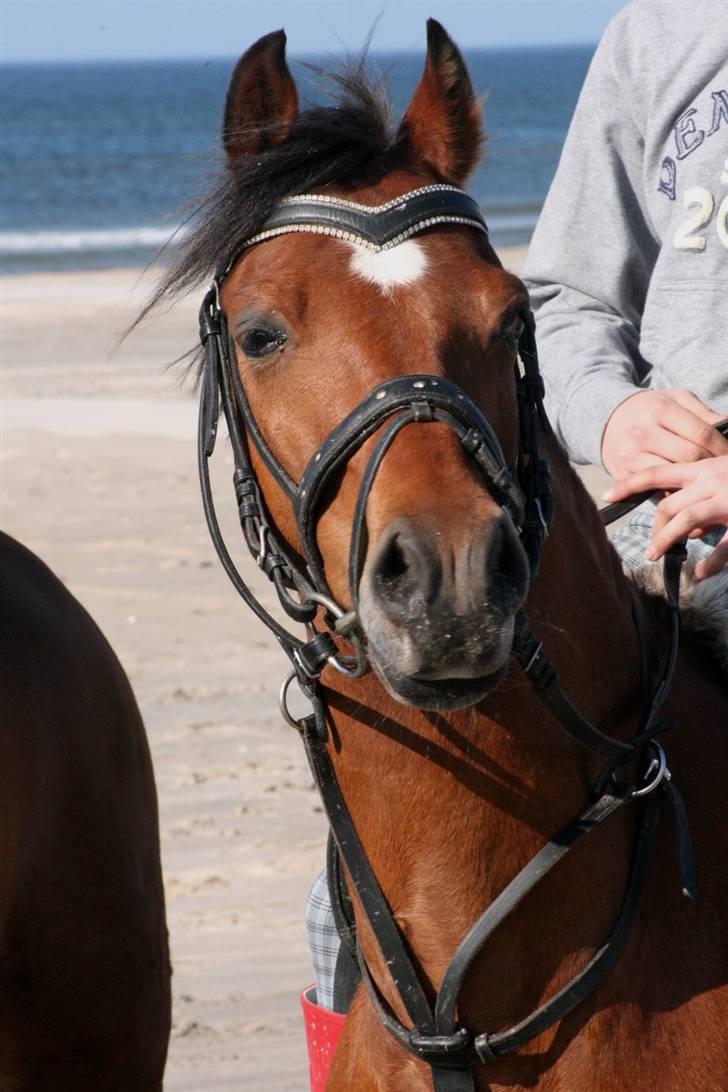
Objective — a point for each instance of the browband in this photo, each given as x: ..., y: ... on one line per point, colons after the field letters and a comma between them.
x: 376, y: 227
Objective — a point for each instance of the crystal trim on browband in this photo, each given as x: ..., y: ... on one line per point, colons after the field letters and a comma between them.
x: 375, y: 227
x: 351, y: 237
x: 342, y: 202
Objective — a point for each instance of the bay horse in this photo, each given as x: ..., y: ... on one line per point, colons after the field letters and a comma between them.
x: 84, y: 963
x: 355, y: 293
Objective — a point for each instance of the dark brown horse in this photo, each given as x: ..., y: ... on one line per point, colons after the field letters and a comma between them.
x: 84, y: 965
x: 452, y: 768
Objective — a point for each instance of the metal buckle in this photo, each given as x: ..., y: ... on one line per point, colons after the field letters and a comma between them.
x: 656, y: 772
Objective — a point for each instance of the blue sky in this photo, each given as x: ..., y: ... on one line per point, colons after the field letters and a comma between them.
x: 109, y: 29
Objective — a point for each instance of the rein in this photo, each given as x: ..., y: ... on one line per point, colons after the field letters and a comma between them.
x: 524, y: 491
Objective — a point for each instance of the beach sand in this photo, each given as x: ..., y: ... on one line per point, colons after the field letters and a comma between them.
x: 99, y: 478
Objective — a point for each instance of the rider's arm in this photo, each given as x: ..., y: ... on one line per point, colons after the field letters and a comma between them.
x: 590, y: 262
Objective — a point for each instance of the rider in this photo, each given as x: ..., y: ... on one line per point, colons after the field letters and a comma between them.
x: 628, y: 271
x: 628, y: 275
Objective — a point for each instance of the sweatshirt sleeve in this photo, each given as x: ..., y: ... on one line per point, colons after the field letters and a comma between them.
x: 590, y: 262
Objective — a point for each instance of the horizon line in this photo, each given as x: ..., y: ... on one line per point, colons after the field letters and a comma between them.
x: 498, y: 47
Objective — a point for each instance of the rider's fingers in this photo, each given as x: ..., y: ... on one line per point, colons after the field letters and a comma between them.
x: 691, y: 402
x: 693, y: 432
x: 716, y: 561
x: 680, y: 526
x: 656, y: 475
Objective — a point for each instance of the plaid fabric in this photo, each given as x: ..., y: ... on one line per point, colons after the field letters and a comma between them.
x: 323, y: 940
x: 632, y: 540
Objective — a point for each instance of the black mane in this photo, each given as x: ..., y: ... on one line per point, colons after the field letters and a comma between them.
x: 346, y: 142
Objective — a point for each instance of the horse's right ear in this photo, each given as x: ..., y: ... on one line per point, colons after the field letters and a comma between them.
x: 261, y: 100
x: 442, y: 125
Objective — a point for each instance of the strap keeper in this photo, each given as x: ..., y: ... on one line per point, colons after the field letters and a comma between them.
x: 272, y: 562
x: 433, y: 1047
x: 311, y: 657
x: 209, y: 322
x: 472, y: 440
x: 422, y: 411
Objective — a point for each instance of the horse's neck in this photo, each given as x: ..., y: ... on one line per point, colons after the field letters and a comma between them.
x: 581, y: 606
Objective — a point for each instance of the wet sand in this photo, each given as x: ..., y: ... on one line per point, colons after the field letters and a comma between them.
x: 99, y: 478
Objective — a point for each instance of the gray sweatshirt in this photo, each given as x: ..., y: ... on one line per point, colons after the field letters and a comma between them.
x: 628, y: 267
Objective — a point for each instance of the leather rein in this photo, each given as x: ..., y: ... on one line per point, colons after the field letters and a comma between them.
x: 524, y: 491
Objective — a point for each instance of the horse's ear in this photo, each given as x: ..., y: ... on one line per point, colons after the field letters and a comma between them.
x: 442, y: 125
x: 261, y: 100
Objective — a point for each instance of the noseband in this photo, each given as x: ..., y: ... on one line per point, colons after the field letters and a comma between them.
x: 523, y: 491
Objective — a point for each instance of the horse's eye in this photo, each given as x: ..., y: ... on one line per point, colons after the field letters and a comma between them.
x: 512, y: 329
x: 260, y: 340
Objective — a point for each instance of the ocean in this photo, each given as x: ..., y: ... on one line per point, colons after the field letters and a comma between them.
x: 101, y: 161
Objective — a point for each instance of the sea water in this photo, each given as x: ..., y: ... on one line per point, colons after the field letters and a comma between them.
x: 100, y: 161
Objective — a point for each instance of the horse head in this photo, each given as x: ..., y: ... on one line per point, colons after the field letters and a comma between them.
x: 318, y: 322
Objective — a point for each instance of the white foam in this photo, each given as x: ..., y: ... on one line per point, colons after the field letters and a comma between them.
x: 80, y: 242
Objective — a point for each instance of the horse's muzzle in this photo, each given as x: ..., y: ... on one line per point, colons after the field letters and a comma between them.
x: 438, y: 614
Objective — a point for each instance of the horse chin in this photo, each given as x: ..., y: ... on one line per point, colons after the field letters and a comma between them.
x: 457, y: 684
x: 433, y: 695
x: 441, y: 695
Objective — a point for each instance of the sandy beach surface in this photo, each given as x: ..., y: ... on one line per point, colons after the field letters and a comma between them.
x: 99, y: 478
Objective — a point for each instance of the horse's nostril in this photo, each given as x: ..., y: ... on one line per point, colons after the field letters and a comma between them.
x: 404, y: 573
x: 392, y: 564
x: 507, y: 568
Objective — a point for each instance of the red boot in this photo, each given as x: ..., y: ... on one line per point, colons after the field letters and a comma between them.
x: 323, y: 1028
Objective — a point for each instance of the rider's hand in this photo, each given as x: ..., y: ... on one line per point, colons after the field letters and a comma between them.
x: 698, y: 502
x: 657, y: 427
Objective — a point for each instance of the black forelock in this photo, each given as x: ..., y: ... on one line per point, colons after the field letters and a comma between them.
x: 348, y: 141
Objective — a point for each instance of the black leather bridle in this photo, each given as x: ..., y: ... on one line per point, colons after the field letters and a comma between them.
x: 524, y: 491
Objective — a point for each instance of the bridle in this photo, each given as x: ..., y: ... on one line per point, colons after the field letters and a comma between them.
x: 523, y: 490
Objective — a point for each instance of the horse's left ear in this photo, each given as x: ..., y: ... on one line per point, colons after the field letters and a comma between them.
x: 262, y: 100
x: 442, y: 125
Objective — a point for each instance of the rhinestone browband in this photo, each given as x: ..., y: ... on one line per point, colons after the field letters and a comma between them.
x: 376, y: 227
